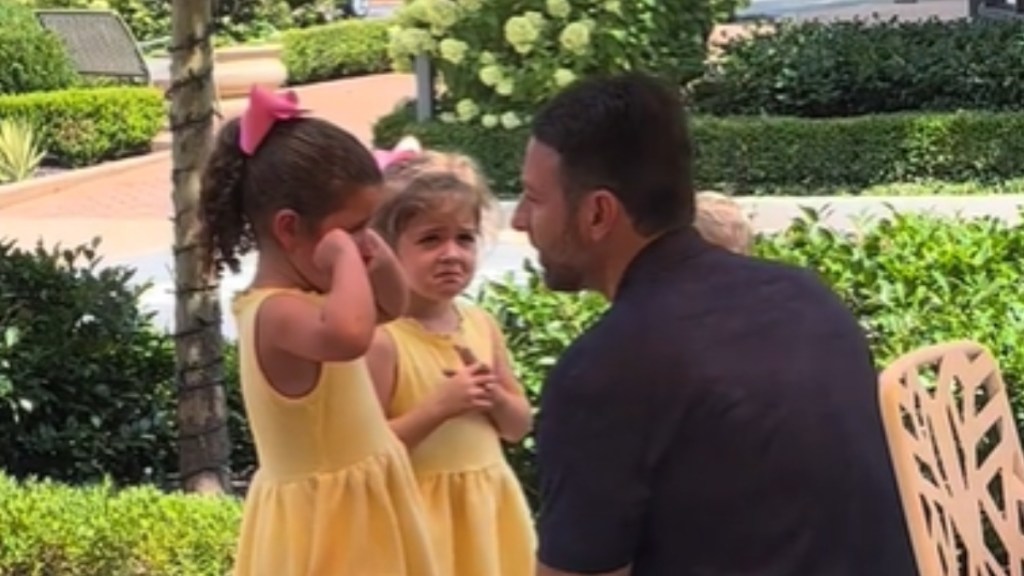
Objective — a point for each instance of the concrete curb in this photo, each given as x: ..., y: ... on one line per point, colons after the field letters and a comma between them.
x: 11, y: 194
x: 773, y: 213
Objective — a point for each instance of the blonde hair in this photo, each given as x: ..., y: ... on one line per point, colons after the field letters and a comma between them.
x: 721, y: 220
x: 430, y: 181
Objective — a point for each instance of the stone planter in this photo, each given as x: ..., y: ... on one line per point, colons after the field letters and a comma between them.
x: 236, y: 69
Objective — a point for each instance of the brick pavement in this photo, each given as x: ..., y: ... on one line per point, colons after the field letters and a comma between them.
x: 131, y: 209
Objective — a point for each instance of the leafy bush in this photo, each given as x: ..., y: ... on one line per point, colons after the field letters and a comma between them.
x: 538, y: 325
x: 339, y: 50
x: 832, y: 69
x: 80, y: 127
x: 33, y: 58
x: 766, y: 155
x: 97, y: 531
x: 912, y: 280
x: 499, y: 59
x: 86, y: 385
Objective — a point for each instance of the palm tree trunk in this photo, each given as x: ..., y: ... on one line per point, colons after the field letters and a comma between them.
x: 204, y: 446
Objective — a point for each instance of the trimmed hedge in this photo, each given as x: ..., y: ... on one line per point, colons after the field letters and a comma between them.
x: 81, y: 127
x: 768, y: 155
x: 848, y: 68
x: 51, y: 529
x: 339, y: 50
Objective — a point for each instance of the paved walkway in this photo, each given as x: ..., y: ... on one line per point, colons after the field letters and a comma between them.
x: 131, y: 210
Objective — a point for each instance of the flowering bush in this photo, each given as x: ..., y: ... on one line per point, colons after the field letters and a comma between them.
x: 499, y: 59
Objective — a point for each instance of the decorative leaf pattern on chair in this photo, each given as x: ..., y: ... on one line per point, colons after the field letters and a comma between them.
x: 958, y: 460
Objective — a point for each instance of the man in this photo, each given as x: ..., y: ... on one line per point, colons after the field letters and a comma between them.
x: 721, y: 418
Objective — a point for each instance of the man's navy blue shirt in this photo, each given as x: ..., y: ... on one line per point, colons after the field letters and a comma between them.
x: 720, y: 419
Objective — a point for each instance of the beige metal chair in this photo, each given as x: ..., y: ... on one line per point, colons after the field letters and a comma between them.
x: 957, y: 455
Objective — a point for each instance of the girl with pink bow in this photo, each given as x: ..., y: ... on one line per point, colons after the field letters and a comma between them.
x: 335, y: 493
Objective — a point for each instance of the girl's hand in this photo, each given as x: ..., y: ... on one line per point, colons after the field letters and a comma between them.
x: 470, y: 388
x: 375, y: 250
x: 330, y: 248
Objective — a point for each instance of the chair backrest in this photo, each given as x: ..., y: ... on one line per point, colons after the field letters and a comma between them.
x: 957, y: 455
x: 98, y: 41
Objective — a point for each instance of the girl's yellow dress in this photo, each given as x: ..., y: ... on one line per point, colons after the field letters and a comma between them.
x: 476, y: 508
x: 334, y: 494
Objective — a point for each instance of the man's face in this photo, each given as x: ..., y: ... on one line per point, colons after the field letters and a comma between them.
x: 551, y: 222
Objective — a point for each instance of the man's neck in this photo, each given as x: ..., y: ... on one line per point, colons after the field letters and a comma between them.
x: 618, y: 261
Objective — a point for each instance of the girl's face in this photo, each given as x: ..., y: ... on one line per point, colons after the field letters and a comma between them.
x: 438, y: 252
x: 300, y: 240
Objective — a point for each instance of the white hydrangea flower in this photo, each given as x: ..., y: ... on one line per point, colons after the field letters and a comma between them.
x: 510, y: 121
x: 442, y: 14
x: 505, y: 87
x: 613, y: 7
x: 491, y: 75
x: 412, y: 41
x: 448, y: 118
x: 415, y: 12
x: 489, y: 121
x: 453, y: 50
x: 466, y: 109
x: 558, y: 8
x: 521, y: 34
x: 564, y: 77
x: 487, y: 58
x: 470, y: 5
x: 575, y: 38
x: 536, y: 18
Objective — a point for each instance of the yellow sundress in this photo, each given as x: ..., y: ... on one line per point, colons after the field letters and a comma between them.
x: 334, y: 494
x: 475, y: 505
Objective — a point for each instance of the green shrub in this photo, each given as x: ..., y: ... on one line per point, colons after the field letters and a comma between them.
x: 832, y: 69
x: 51, y: 529
x: 538, y: 325
x: 86, y: 384
x: 912, y: 280
x: 34, y: 60
x: 765, y: 155
x: 80, y: 127
x: 339, y: 50
x: 498, y: 59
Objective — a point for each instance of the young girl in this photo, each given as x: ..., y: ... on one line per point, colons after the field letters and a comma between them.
x: 443, y: 375
x: 334, y: 493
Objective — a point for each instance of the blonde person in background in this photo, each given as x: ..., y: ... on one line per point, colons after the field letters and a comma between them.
x: 722, y: 221
x: 443, y: 373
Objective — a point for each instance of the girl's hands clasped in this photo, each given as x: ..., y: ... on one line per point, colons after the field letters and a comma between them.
x: 470, y: 388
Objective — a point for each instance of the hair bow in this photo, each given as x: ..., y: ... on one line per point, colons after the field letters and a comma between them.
x: 265, y: 109
x: 406, y: 148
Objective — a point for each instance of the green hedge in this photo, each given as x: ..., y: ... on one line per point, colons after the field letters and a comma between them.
x: 768, y: 155
x: 51, y: 529
x: 80, y: 127
x: 912, y: 280
x: 339, y: 50
x: 847, y: 68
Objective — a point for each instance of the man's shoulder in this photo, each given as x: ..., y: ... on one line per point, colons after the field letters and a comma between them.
x: 598, y: 352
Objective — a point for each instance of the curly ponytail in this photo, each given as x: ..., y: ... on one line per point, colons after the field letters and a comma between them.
x: 226, y: 232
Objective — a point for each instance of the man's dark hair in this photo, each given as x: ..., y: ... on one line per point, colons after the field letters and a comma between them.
x: 627, y: 133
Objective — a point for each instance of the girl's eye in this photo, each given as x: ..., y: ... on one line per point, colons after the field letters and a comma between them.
x: 428, y: 239
x: 467, y: 238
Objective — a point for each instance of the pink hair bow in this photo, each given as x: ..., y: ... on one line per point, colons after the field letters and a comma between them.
x: 408, y: 147
x: 265, y: 109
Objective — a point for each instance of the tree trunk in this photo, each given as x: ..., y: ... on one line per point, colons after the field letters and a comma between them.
x: 204, y: 446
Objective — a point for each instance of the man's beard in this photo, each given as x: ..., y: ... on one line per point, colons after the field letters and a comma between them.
x: 564, y: 271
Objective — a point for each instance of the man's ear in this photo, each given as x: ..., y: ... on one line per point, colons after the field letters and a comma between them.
x: 408, y: 144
